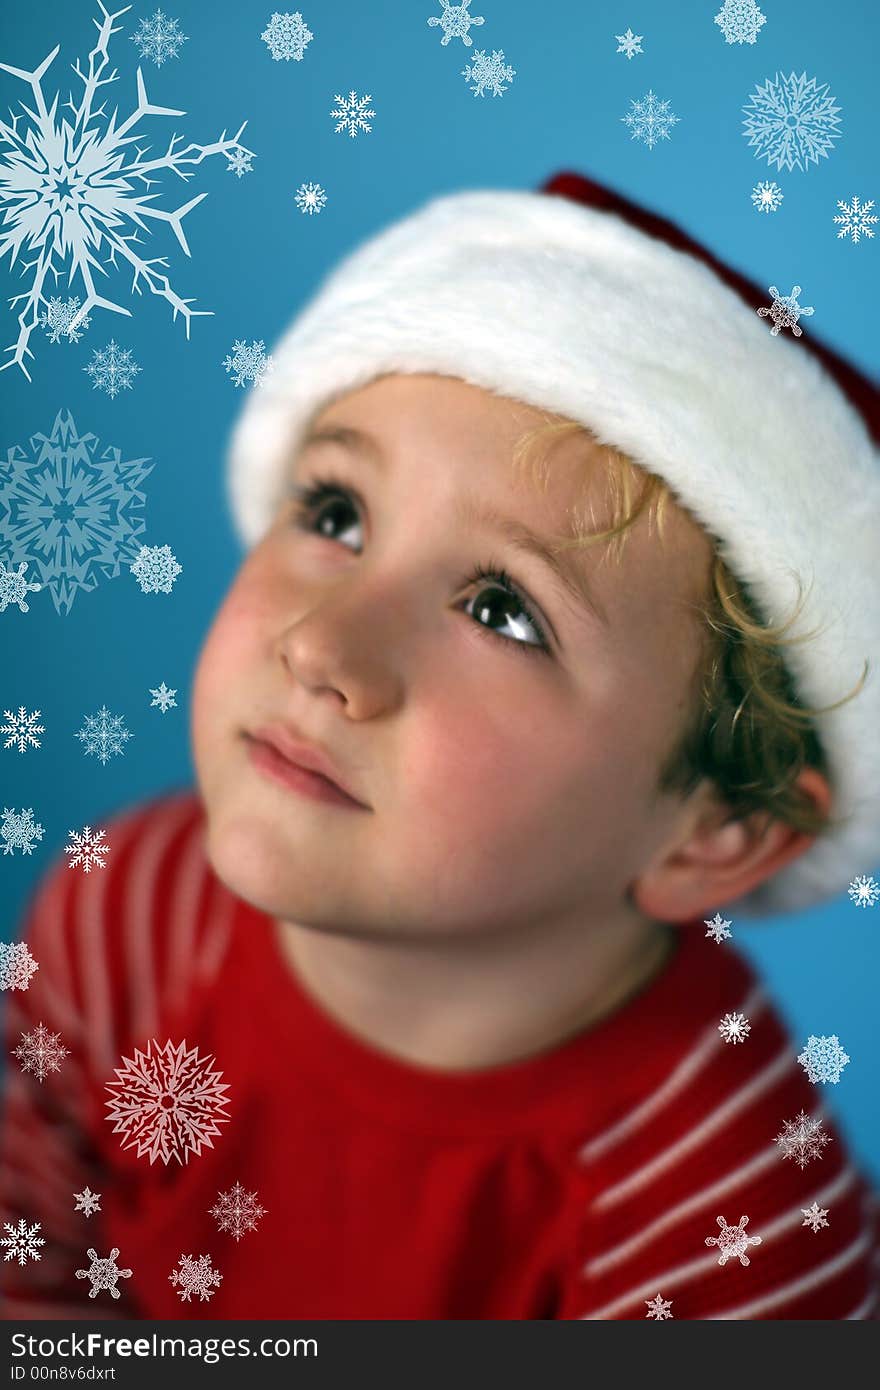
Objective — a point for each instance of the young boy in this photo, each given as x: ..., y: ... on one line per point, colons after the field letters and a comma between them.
x: 411, y: 1009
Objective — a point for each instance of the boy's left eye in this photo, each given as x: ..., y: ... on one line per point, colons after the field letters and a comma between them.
x: 312, y: 511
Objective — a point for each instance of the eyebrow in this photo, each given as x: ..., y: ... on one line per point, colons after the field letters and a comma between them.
x: 568, y: 574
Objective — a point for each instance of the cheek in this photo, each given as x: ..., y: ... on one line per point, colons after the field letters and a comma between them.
x: 226, y: 653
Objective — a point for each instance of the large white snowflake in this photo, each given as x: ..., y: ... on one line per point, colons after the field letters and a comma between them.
x: 156, y: 569
x: 20, y: 831
x: 17, y: 965
x: 40, y: 1052
x: 70, y: 189
x: 86, y: 849
x: 310, y: 198
x: 103, y: 1273
x: 22, y: 728
x: 767, y: 196
x: 195, y: 1277
x: 455, y: 22
x: 22, y: 1241
x: 732, y: 1241
x: 650, y: 120
x: 167, y: 1102
x: 488, y: 72
x: 14, y: 585
x: 814, y: 1217
x: 237, y: 1211
x: 802, y: 1139
x: 823, y: 1059
x: 112, y: 368
x: 249, y: 363
x: 791, y: 121
x: 864, y: 890
x: 87, y: 1202
x: 164, y: 698
x: 740, y: 20
x: 734, y: 1028
x: 104, y: 734
x: 158, y: 38
x: 286, y: 36
x: 785, y: 311
x: 854, y: 217
x: 630, y: 44
x: 658, y: 1308
x: 351, y: 113
x: 62, y: 316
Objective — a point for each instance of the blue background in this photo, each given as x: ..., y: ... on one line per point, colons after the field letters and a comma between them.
x: 255, y: 259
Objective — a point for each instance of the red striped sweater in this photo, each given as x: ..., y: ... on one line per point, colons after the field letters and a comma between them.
x: 579, y: 1183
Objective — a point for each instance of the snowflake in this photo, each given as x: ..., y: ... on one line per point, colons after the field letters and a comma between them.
x: 158, y: 38
x: 249, y: 363
x: 630, y: 44
x: 13, y: 585
x: 22, y: 728
x: 814, y: 1217
x: 488, y: 72
x: 352, y: 113
x: 740, y: 20
x: 86, y: 849
x: 650, y: 120
x: 864, y: 890
x: 156, y: 569
x: 164, y: 698
x: 71, y: 190
x: 195, y: 1277
x: 22, y: 1241
x: 112, y: 368
x: 790, y: 122
x: 286, y: 36
x: 658, y: 1308
x: 87, y: 1202
x: 237, y: 1211
x: 733, y: 1241
x: 785, y: 311
x: 455, y: 22
x: 734, y: 1028
x: 59, y: 318
x: 240, y: 163
x: 168, y: 1102
x: 823, y: 1059
x: 719, y: 928
x: 19, y: 831
x: 103, y: 1273
x: 69, y: 509
x: 40, y: 1052
x: 854, y: 218
x: 767, y: 197
x: 310, y: 197
x: 802, y: 1139
x: 17, y: 965
x: 103, y: 733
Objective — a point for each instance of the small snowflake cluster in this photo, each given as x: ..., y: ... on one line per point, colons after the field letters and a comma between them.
x: 482, y: 71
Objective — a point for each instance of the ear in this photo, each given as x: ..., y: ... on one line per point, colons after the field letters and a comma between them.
x: 717, y: 860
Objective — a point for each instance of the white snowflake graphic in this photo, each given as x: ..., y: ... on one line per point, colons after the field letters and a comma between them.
x: 310, y: 197
x: 658, y: 1308
x: 351, y: 113
x: 802, y: 1139
x: 59, y: 318
x: 22, y: 728
x: 650, y: 120
x: 22, y: 1241
x: 19, y: 831
x: 734, y: 1028
x: 814, y: 1217
x: 286, y: 36
x: 195, y: 1277
x: 103, y: 1273
x: 87, y: 1202
x: 864, y: 890
x: 240, y: 163
x: 719, y: 928
x: 104, y: 734
x: 112, y: 368
x: 785, y: 311
x: 40, y: 1052
x: 767, y: 197
x: 854, y: 218
x: 630, y: 44
x: 17, y: 965
x: 740, y: 20
x: 164, y: 698
x: 70, y: 189
x: 86, y: 849
x: 791, y: 121
x: 158, y: 38
x: 732, y: 1241
x: 823, y: 1059
x: 488, y: 72
x: 156, y: 569
x: 14, y: 586
x: 455, y: 22
x: 249, y: 363
x: 237, y: 1211
x: 167, y: 1101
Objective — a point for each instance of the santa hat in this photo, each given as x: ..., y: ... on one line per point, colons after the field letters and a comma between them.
x: 582, y: 304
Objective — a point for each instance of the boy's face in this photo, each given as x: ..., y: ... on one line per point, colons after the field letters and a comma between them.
x: 507, y: 786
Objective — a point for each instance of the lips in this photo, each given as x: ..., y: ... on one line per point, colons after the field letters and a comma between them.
x: 302, y: 754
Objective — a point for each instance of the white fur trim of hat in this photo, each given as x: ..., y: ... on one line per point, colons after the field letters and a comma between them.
x: 575, y: 311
